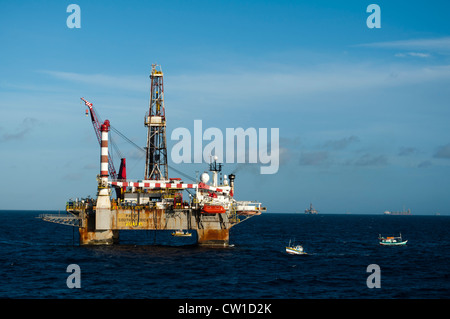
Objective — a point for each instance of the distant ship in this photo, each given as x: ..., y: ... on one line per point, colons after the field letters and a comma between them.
x: 404, y: 212
x: 311, y: 210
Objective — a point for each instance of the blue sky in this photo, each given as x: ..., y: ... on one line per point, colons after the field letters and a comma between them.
x: 363, y: 113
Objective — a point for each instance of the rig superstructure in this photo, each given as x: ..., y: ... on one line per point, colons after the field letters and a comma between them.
x: 156, y: 202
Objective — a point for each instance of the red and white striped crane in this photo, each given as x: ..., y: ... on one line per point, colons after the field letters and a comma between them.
x: 96, y: 122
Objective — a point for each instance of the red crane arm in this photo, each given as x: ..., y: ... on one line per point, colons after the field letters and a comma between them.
x: 97, y: 123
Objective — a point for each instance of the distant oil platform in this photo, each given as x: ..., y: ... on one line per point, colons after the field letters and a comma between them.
x: 311, y: 210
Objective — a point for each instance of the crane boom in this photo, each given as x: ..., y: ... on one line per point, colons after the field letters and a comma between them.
x: 97, y: 124
x: 95, y: 121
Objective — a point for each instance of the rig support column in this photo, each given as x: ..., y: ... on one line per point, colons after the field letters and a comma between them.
x: 102, y: 233
x: 103, y: 217
x: 213, y: 237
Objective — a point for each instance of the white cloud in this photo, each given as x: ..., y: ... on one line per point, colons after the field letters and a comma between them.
x: 319, y: 79
x: 256, y: 85
x: 314, y: 158
x: 413, y: 54
x: 369, y: 160
x: 125, y: 82
x: 441, y: 44
x: 341, y: 143
x: 443, y: 152
x: 21, y: 131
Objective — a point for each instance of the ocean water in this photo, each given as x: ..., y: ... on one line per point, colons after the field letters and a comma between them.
x: 34, y: 256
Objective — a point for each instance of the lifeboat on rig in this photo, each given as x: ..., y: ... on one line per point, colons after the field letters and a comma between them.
x: 213, y: 209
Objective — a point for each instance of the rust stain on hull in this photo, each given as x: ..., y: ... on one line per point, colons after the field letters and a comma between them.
x: 213, y: 237
x: 96, y: 237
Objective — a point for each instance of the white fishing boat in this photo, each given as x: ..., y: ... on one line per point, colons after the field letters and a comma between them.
x: 295, y: 249
x: 392, y: 241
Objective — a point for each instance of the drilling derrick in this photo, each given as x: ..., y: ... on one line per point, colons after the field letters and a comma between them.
x: 155, y: 120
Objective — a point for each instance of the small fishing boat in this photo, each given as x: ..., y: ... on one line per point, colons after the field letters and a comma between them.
x: 181, y: 233
x: 295, y: 249
x: 392, y: 241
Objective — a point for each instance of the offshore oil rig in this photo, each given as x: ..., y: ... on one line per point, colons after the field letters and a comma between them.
x: 156, y: 202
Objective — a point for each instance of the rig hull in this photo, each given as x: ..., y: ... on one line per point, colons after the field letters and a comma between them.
x: 212, y: 229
